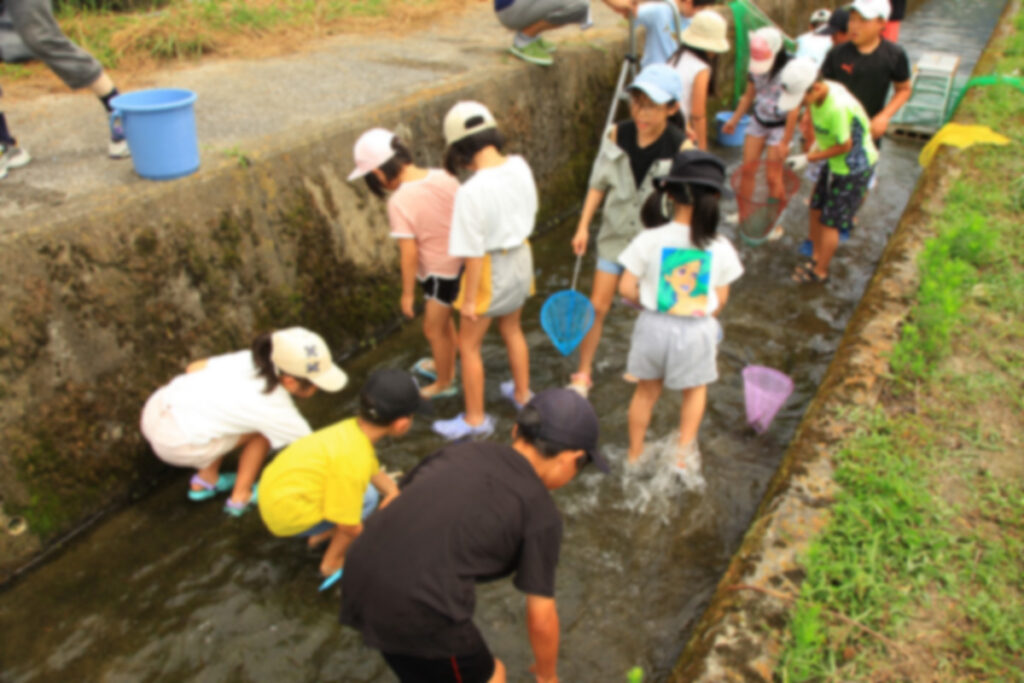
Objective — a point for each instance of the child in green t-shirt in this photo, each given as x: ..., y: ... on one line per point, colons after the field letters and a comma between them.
x: 842, y: 133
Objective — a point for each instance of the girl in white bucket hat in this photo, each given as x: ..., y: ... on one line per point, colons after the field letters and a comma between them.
x: 238, y: 400
x: 702, y: 40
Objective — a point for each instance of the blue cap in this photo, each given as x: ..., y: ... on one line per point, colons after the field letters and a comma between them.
x: 660, y: 82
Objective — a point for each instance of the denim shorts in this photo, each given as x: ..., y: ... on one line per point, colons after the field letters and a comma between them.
x: 613, y: 267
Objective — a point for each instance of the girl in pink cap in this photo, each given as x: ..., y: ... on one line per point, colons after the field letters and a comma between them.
x: 420, y: 212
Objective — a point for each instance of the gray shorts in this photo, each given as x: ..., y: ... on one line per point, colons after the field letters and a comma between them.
x: 680, y: 351
x: 525, y: 13
x: 772, y: 134
x: 33, y: 21
x: 505, y: 284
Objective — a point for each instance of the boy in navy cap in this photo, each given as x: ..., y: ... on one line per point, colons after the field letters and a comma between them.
x: 470, y: 513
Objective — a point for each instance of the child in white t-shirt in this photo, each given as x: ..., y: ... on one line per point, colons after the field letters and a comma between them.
x: 238, y: 400
x: 680, y: 274
x: 695, y: 60
x: 493, y: 218
x: 420, y: 213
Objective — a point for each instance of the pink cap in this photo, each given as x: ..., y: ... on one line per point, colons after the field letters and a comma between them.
x: 761, y: 55
x: 372, y: 150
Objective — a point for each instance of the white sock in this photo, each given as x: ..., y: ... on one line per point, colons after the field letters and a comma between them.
x: 522, y: 40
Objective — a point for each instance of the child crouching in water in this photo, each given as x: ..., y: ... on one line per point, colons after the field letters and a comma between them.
x: 420, y: 213
x: 238, y: 400
x: 680, y: 274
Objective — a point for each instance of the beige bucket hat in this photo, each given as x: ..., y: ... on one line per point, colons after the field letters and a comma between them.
x: 707, y: 31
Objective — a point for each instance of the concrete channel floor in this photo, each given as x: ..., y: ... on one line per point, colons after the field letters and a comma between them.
x: 244, y: 103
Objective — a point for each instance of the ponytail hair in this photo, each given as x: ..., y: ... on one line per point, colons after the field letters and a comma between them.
x: 656, y: 210
x: 262, y: 347
x: 781, y: 60
x: 391, y: 168
x: 709, y: 58
x: 460, y: 153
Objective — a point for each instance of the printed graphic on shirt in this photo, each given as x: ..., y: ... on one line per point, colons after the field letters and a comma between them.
x: 684, y: 283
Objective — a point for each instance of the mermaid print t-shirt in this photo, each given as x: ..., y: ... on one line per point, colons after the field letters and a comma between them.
x: 677, y: 278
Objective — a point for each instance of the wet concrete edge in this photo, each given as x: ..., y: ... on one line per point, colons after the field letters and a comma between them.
x: 742, y: 633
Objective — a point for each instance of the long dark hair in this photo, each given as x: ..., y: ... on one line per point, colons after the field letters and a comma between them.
x: 709, y: 58
x: 261, y: 349
x: 704, y: 200
x: 460, y: 153
x: 781, y: 60
x: 390, y: 168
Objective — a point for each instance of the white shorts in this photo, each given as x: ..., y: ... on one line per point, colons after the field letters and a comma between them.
x: 680, y: 351
x: 171, y: 444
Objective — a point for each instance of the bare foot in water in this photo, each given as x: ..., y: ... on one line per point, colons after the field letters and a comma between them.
x: 318, y: 539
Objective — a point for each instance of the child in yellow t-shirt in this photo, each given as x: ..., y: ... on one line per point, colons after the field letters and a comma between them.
x: 319, y: 487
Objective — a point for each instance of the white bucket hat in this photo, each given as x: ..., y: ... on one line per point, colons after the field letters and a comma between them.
x: 372, y: 150
x: 301, y: 353
x: 707, y: 31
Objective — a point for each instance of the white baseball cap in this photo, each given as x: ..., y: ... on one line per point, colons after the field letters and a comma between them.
x: 872, y: 9
x: 796, y: 79
x: 465, y: 119
x: 820, y: 16
x: 372, y: 150
x: 301, y: 353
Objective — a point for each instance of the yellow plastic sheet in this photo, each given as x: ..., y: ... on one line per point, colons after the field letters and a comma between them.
x: 961, y: 136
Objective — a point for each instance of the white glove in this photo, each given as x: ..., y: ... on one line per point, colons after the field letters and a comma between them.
x: 796, y: 162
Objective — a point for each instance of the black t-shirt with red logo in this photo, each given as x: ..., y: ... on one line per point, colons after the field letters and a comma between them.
x: 867, y: 76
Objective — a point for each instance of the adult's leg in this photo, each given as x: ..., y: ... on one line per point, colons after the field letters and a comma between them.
x: 695, y: 400
x: 254, y: 451
x: 33, y: 20
x: 518, y: 353
x: 601, y: 296
x: 640, y: 408
x: 471, y: 338
x: 439, y: 329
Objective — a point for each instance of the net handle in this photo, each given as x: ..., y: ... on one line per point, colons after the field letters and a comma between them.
x: 576, y: 271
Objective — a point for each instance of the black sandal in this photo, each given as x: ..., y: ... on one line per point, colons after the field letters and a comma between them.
x: 805, y: 275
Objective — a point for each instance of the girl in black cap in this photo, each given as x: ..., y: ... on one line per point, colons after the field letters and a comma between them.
x: 679, y: 271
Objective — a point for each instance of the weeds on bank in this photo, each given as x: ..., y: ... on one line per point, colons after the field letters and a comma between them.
x: 922, y: 556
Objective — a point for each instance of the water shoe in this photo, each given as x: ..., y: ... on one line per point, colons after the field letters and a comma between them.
x: 238, y: 509
x: 225, y: 482
x: 457, y: 428
x: 508, y: 391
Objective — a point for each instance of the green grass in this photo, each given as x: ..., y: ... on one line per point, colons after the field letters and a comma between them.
x: 924, y: 549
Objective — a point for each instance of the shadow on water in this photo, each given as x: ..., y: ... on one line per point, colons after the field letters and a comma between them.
x: 167, y: 590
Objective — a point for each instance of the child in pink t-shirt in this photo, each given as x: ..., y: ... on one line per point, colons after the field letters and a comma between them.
x: 420, y: 212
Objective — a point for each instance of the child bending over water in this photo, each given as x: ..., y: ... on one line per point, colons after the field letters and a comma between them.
x: 680, y: 274
x: 420, y: 213
x: 238, y: 400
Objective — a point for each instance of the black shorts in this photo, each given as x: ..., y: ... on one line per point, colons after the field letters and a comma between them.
x: 839, y: 197
x: 443, y: 290
x: 474, y: 668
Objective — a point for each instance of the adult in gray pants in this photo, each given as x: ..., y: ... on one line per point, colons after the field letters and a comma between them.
x: 529, y: 18
x: 33, y: 20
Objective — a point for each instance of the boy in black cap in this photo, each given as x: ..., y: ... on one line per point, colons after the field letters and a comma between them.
x: 470, y: 513
x: 318, y: 487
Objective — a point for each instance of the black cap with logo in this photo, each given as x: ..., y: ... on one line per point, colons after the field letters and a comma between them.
x: 390, y: 394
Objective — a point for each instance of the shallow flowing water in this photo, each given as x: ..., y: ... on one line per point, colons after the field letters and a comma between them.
x: 169, y: 590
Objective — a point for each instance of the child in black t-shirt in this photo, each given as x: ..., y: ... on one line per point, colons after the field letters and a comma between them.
x: 868, y: 64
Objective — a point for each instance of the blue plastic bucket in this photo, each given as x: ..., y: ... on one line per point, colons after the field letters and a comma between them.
x: 160, y: 126
x: 734, y: 139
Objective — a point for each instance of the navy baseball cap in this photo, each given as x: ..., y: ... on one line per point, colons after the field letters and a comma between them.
x: 838, y: 22
x: 390, y: 394
x: 567, y: 419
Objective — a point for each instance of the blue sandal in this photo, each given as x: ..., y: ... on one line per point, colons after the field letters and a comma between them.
x: 225, y: 482
x: 238, y: 509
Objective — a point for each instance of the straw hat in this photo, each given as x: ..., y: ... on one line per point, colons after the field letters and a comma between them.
x: 707, y: 31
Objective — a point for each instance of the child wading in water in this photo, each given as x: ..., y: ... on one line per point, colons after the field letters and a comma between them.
x: 695, y: 59
x: 680, y: 274
x: 420, y: 212
x: 241, y: 399
x: 493, y: 217
x: 771, y: 130
x: 632, y: 153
